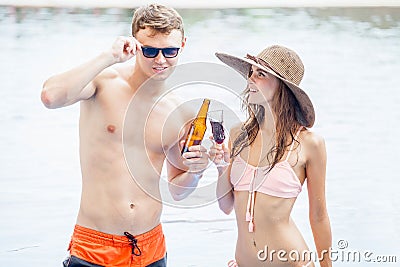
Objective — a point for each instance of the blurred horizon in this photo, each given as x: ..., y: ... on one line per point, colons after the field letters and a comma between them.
x: 200, y: 4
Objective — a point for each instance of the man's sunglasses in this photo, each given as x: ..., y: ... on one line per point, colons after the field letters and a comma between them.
x: 152, y: 52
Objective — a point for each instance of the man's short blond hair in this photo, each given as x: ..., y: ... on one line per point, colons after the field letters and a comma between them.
x: 160, y: 18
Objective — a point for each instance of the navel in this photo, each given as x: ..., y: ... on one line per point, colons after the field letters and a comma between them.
x: 111, y: 128
x: 132, y: 205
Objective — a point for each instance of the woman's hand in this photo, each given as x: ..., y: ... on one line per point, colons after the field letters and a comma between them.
x: 219, y: 154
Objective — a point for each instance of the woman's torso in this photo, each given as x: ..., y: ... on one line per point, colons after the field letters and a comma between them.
x: 263, y: 204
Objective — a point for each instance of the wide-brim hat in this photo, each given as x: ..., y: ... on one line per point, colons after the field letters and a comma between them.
x: 285, y: 65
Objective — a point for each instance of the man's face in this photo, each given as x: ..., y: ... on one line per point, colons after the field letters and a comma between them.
x: 159, y: 64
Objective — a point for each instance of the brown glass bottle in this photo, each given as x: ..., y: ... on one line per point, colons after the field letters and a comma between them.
x: 198, y: 127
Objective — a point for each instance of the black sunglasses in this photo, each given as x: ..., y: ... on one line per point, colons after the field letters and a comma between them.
x: 152, y: 52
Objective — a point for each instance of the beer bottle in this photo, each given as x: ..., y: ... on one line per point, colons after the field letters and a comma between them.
x: 198, y: 128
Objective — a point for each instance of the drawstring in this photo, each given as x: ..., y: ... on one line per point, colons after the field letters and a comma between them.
x: 250, y: 205
x: 248, y: 215
x: 251, y: 223
x: 133, y: 242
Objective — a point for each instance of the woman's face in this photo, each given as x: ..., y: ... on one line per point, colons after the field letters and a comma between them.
x: 262, y: 86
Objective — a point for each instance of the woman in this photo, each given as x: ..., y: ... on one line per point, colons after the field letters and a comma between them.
x: 271, y: 155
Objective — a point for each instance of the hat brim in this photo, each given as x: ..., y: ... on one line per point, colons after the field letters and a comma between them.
x: 242, y: 65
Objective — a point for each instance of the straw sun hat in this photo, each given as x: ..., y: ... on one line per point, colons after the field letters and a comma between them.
x: 284, y: 64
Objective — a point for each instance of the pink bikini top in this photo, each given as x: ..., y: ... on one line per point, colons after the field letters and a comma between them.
x: 281, y: 181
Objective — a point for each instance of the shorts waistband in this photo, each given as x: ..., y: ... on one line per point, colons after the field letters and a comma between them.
x: 92, y: 235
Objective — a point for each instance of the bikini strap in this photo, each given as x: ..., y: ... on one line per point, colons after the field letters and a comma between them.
x: 291, y: 146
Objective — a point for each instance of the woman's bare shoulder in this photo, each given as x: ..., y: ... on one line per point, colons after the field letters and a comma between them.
x: 313, y: 142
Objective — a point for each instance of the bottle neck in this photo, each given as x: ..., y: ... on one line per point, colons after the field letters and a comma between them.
x: 202, y: 114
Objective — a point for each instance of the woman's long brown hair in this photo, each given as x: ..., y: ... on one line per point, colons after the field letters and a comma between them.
x: 286, y: 109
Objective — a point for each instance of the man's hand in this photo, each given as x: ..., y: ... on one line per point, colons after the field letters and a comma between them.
x: 196, y: 159
x: 124, y: 48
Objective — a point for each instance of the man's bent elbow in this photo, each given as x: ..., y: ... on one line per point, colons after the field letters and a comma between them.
x: 46, y: 99
x: 179, y: 196
x: 49, y: 98
x: 227, y: 209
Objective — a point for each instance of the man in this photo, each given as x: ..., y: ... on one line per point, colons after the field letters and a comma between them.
x: 123, y: 144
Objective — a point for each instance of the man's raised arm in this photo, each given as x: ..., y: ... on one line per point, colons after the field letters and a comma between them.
x: 78, y: 83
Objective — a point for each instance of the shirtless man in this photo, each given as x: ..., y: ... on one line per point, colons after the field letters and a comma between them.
x: 118, y: 222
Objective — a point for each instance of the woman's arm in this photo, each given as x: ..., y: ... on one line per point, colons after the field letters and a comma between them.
x: 319, y: 219
x: 224, y: 191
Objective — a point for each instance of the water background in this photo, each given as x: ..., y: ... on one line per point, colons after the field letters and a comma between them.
x: 352, y: 76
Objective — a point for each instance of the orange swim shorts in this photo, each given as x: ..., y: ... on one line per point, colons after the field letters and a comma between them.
x: 92, y: 248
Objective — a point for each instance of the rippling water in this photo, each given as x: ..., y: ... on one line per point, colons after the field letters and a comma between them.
x: 352, y: 66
